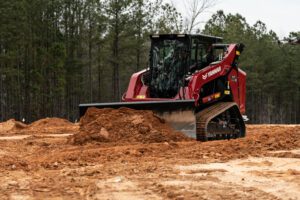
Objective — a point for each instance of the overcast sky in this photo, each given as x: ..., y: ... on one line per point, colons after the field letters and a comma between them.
x: 282, y: 16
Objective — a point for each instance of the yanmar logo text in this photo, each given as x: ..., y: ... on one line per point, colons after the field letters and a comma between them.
x: 210, y: 73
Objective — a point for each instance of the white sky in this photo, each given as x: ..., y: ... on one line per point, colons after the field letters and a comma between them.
x: 282, y: 16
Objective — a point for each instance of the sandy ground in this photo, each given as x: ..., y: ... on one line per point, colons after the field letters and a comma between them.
x: 264, y: 165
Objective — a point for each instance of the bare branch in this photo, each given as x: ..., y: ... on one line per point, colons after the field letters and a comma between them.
x: 193, y: 10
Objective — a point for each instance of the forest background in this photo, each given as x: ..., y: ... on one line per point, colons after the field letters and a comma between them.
x: 55, y: 54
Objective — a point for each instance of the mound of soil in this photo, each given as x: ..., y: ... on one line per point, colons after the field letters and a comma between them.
x: 11, y: 126
x: 52, y: 125
x: 50, y: 122
x: 124, y: 125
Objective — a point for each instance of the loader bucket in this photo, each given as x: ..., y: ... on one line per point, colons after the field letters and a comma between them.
x: 180, y: 114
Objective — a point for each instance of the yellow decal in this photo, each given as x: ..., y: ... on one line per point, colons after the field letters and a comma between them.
x: 140, y: 97
x: 217, y: 95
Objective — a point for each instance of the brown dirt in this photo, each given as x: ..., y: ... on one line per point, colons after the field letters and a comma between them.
x: 124, y: 125
x: 43, y: 123
x: 11, y: 126
x: 264, y: 165
x: 42, y: 126
x: 51, y: 125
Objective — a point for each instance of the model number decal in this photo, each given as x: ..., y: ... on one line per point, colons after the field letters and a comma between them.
x: 210, y: 73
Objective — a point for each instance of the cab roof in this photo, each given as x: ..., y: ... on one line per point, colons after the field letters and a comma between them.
x: 201, y: 37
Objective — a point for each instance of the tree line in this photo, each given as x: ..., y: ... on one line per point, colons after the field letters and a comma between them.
x: 272, y: 67
x: 58, y: 53
x: 55, y: 54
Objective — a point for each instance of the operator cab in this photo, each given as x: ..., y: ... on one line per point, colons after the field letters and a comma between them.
x: 218, y: 53
x: 173, y: 56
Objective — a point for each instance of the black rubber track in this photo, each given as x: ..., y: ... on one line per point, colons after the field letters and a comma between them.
x: 205, y: 116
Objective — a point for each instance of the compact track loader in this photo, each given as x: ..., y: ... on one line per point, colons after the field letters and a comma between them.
x: 193, y: 82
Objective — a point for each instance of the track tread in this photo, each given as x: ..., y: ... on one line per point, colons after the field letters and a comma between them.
x: 203, y: 117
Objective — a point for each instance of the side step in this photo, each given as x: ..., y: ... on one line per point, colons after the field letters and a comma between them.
x: 220, y: 121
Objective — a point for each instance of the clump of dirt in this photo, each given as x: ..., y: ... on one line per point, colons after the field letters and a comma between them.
x: 52, y: 125
x: 124, y: 125
x: 11, y: 126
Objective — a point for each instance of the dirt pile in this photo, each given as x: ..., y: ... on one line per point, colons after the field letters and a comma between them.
x: 124, y: 125
x: 42, y: 126
x: 52, y: 125
x: 50, y: 122
x: 11, y: 126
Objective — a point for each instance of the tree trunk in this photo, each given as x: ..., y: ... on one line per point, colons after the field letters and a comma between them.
x: 116, y: 81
